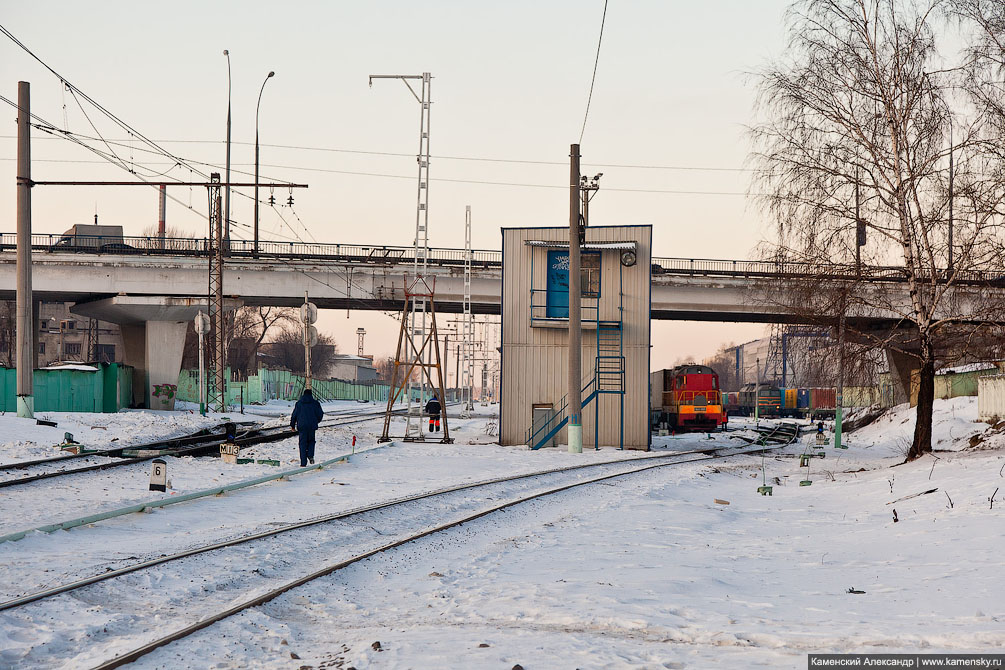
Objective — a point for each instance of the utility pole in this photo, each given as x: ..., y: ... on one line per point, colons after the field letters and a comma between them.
x: 226, y: 206
x: 757, y: 387
x: 216, y: 289
x: 589, y: 188
x: 457, y: 370
x: 469, y: 322
x: 258, y: 108
x: 951, y: 180
x: 25, y: 322
x: 575, y: 405
x: 417, y: 332
x: 309, y: 315
x: 839, y: 395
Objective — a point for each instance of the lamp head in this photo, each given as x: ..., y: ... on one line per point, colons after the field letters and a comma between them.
x: 271, y: 74
x: 226, y: 53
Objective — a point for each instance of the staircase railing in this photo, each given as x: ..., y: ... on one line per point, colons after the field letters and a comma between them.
x: 537, y: 437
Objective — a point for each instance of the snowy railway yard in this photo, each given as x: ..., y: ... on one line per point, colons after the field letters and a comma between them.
x: 682, y: 564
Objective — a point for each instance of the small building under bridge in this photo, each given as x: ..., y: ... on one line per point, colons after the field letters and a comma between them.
x: 616, y: 281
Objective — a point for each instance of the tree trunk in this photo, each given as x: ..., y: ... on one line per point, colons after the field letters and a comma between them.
x: 926, y: 400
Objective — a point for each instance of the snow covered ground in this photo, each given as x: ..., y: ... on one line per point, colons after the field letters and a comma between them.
x: 644, y: 571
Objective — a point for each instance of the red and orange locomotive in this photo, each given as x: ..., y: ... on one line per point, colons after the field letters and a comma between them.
x: 687, y: 398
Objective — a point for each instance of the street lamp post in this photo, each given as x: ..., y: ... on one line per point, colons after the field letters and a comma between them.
x: 226, y: 206
x: 257, y: 108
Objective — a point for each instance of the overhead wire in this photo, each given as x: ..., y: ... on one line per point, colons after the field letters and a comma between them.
x: 482, y: 159
x: 74, y: 89
x: 593, y: 79
x: 49, y: 128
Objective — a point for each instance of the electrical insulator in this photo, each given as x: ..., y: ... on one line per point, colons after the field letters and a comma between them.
x: 272, y: 200
x: 289, y: 200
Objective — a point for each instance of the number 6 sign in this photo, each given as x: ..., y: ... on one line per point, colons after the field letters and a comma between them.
x: 158, y: 475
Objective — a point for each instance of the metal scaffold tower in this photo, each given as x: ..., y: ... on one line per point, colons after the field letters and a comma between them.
x: 218, y: 392
x: 468, y: 326
x: 91, y: 354
x: 418, y: 309
x: 411, y: 360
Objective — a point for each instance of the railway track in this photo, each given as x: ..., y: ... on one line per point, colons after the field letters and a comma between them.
x: 535, y: 485
x: 193, y: 445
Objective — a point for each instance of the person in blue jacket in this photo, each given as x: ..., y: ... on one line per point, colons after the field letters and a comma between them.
x: 307, y: 414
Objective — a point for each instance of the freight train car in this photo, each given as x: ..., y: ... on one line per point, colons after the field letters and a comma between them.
x: 687, y: 398
x: 773, y: 402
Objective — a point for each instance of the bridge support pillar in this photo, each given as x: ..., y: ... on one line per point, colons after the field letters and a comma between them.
x: 154, y: 350
x: 903, y: 370
x: 153, y: 333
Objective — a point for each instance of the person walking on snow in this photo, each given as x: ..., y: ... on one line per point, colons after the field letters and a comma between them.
x: 433, y: 410
x: 307, y: 414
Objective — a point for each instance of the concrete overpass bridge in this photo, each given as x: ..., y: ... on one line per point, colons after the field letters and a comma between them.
x: 344, y: 276
x: 153, y: 287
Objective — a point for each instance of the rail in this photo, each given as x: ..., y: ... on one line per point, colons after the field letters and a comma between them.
x: 237, y: 606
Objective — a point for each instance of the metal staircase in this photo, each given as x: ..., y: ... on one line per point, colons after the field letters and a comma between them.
x: 608, y: 377
x: 610, y: 364
x: 542, y: 435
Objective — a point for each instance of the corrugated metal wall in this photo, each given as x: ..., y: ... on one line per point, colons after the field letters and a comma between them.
x: 108, y: 389
x: 991, y: 398
x: 535, y: 359
x: 281, y: 385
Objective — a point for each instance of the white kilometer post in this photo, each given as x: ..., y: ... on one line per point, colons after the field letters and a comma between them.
x: 229, y: 452
x: 309, y: 315
x: 158, y: 475
x: 202, y: 324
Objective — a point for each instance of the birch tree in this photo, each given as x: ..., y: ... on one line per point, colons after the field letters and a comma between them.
x: 861, y: 119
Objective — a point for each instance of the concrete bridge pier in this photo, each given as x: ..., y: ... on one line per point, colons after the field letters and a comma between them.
x: 903, y: 370
x: 153, y: 333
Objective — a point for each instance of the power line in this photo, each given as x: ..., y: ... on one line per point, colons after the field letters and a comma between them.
x: 132, y: 132
x: 482, y: 159
x: 593, y: 79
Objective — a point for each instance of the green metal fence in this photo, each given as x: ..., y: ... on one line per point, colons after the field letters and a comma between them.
x: 280, y: 385
x: 107, y: 389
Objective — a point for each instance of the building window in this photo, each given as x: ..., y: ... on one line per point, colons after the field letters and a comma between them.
x: 558, y: 281
x: 106, y: 353
x: 45, y: 325
x: 72, y: 349
x: 41, y: 347
x: 589, y: 273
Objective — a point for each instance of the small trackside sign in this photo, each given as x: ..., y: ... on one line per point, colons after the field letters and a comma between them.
x: 158, y: 475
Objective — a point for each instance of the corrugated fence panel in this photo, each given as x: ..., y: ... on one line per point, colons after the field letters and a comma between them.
x: 106, y: 390
x: 282, y: 385
x: 991, y: 398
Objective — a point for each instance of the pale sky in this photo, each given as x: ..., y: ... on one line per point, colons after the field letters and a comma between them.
x: 510, y: 82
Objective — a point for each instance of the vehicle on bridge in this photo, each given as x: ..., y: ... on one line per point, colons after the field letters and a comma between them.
x: 91, y: 237
x: 687, y: 398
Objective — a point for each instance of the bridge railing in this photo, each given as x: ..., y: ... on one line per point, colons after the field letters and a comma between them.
x: 793, y: 269
x: 380, y: 254
x: 481, y: 258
